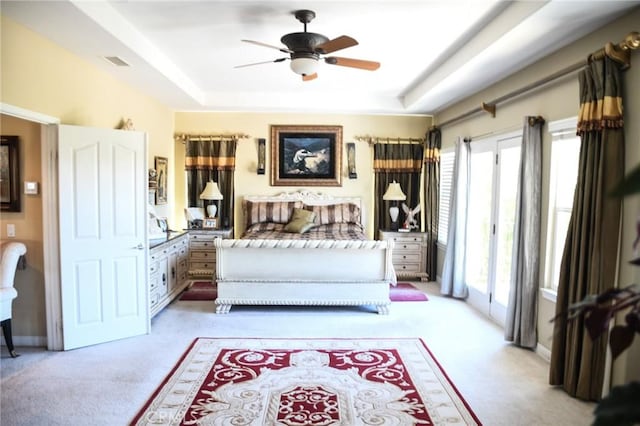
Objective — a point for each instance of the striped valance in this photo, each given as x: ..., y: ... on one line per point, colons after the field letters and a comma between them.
x: 210, y: 154
x: 398, y: 158
x: 600, y: 105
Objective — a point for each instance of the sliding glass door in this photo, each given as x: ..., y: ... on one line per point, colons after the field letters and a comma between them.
x: 494, y: 168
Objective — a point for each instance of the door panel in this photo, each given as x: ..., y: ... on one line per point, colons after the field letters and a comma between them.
x: 494, y: 172
x: 102, y: 201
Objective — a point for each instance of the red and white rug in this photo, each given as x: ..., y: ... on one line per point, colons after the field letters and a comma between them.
x: 307, y: 382
x: 402, y: 292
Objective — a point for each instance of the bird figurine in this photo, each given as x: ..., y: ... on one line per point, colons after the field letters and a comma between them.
x: 411, y: 222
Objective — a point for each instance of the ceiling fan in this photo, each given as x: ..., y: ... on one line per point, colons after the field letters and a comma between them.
x: 306, y: 49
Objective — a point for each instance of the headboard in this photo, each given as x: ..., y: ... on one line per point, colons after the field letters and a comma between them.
x: 307, y: 197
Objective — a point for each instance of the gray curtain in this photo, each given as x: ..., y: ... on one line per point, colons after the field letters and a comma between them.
x: 453, y: 279
x: 589, y: 261
x: 521, y: 320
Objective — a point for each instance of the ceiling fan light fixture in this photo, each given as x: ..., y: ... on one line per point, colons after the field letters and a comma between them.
x: 304, y: 66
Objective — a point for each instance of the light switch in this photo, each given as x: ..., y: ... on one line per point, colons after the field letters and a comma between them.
x: 31, y: 187
x: 11, y: 230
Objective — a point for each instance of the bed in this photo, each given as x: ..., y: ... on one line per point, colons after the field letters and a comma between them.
x: 328, y: 261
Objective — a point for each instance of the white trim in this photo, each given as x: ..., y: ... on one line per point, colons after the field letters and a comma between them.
x: 35, y: 341
x: 543, y: 352
x: 549, y: 294
x: 563, y: 126
x: 49, y: 146
x: 27, y: 115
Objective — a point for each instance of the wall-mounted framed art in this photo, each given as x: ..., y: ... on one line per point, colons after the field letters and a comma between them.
x: 306, y: 155
x: 10, y: 174
x: 161, y: 166
x: 351, y: 160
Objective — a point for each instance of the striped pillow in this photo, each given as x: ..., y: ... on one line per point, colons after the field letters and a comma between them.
x: 269, y: 211
x: 335, y: 213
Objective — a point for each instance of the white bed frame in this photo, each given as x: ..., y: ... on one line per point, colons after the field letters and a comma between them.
x: 304, y: 272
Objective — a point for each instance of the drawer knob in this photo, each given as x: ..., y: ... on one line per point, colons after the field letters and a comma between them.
x: 404, y: 257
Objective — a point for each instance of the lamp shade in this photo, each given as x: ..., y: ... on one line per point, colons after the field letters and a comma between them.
x: 304, y: 66
x: 394, y: 192
x: 211, y: 192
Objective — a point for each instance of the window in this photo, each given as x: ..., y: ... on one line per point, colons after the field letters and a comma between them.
x: 447, y: 160
x: 565, y: 153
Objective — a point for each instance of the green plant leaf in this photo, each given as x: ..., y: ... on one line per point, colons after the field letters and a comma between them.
x: 620, y: 339
x: 620, y: 407
x: 629, y: 185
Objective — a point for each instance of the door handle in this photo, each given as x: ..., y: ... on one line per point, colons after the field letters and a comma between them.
x: 138, y: 247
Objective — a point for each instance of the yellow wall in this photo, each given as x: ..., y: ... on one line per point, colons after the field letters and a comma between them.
x: 248, y: 182
x: 557, y: 101
x: 28, y: 308
x: 39, y: 76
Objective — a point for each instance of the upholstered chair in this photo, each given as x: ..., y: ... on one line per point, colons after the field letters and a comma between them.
x: 10, y: 252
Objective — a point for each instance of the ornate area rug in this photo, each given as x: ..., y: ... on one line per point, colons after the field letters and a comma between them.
x: 402, y: 292
x: 307, y: 382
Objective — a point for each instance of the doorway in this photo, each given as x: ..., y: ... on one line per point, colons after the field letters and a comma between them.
x: 493, y: 177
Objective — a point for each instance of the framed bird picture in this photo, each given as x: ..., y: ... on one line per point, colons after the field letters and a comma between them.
x: 306, y: 155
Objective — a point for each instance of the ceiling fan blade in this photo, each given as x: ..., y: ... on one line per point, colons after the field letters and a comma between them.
x: 259, y: 43
x: 353, y: 63
x: 310, y: 77
x: 260, y: 63
x: 339, y: 43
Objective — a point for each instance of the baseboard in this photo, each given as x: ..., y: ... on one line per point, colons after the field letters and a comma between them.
x: 543, y: 352
x: 28, y: 341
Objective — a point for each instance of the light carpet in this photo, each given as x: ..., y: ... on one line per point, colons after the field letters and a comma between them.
x: 402, y: 292
x: 310, y: 382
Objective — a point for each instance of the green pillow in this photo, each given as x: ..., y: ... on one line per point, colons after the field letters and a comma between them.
x: 301, y: 221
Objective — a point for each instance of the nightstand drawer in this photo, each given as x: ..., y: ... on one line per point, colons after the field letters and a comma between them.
x: 209, y: 266
x: 196, y: 256
x: 409, y: 267
x: 403, y: 246
x: 202, y: 245
x: 201, y: 237
x: 406, y: 257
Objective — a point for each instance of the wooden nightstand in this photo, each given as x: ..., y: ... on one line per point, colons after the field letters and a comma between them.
x: 202, y: 252
x: 409, y: 253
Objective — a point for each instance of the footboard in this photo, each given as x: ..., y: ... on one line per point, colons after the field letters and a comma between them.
x: 303, y: 272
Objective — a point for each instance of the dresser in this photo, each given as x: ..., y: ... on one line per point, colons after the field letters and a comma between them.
x: 202, y: 253
x: 168, y: 262
x: 409, y: 253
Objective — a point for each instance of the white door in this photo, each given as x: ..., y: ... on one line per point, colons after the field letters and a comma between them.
x: 103, y: 252
x: 494, y: 168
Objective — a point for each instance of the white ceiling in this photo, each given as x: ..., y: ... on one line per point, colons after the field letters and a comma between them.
x: 433, y: 53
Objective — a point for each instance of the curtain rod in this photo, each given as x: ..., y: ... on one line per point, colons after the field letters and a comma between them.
x: 618, y: 52
x: 183, y: 137
x: 375, y: 139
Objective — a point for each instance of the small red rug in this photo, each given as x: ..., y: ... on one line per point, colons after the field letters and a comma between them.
x: 402, y: 292
x: 307, y: 382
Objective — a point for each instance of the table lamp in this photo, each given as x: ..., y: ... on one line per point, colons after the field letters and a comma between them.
x: 211, y: 192
x: 394, y: 194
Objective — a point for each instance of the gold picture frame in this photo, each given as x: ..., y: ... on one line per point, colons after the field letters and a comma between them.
x: 10, y: 174
x: 306, y: 155
x: 161, y: 166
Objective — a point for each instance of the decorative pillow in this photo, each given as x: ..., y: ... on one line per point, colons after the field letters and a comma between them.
x: 301, y: 221
x: 269, y: 211
x: 335, y: 213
